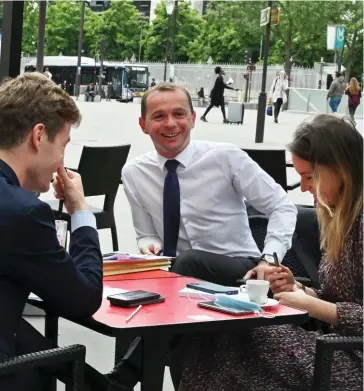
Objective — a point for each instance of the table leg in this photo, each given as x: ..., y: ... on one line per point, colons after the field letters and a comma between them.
x: 122, y: 345
x: 51, y: 328
x: 51, y: 332
x: 154, y: 350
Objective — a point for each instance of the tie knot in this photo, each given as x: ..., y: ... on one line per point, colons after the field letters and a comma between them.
x: 171, y: 165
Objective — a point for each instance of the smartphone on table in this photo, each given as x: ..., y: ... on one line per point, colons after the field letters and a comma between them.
x: 212, y: 305
x: 135, y: 298
x: 209, y: 287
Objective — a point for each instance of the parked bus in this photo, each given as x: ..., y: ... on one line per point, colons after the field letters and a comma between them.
x: 119, y: 76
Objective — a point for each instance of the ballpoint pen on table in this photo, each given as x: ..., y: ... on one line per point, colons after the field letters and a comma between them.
x: 131, y: 316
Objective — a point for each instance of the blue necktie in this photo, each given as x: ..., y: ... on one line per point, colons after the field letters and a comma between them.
x: 171, y: 209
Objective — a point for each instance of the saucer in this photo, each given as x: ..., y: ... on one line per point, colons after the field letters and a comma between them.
x: 268, y: 304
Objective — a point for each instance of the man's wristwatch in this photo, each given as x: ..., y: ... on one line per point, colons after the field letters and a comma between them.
x: 268, y: 258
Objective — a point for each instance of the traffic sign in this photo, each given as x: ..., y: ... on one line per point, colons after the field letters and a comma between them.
x: 335, y: 37
x: 264, y: 16
x: 339, y: 38
x: 274, y: 15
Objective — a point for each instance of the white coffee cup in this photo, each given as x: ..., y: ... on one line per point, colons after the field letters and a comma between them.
x: 257, y: 291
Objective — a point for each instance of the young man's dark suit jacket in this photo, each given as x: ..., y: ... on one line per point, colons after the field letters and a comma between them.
x: 31, y: 260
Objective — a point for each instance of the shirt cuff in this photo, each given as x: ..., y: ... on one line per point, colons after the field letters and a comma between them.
x: 277, y: 247
x: 82, y: 218
x: 146, y: 241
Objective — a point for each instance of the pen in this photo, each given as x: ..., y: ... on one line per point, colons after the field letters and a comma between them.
x: 131, y: 316
x: 276, y: 262
x: 61, y: 203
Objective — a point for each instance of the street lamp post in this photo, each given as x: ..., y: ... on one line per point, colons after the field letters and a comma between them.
x: 101, y: 74
x: 79, y: 52
x: 321, y: 72
x: 41, y: 35
x: 173, y: 60
x: 169, y: 10
x: 262, y: 101
x: 140, y: 42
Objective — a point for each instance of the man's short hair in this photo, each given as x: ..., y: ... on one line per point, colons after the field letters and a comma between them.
x: 164, y: 87
x: 29, y: 100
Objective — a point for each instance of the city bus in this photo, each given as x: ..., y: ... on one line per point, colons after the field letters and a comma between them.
x: 122, y: 78
x: 137, y: 76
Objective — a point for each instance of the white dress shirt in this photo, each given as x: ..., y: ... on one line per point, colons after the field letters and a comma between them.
x: 214, y: 179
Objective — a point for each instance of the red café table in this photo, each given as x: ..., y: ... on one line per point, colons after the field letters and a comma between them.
x: 157, y: 323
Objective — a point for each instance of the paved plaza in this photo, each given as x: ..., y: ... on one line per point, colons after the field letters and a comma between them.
x: 113, y: 123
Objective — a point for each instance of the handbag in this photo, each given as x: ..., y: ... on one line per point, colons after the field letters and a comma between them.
x: 269, y: 111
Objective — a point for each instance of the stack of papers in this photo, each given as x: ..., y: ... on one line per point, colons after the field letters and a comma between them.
x: 121, y: 263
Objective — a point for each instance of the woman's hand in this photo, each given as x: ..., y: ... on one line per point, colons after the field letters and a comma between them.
x: 297, y: 298
x: 282, y: 281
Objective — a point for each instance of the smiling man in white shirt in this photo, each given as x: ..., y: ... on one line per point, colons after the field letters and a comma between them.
x: 195, y: 210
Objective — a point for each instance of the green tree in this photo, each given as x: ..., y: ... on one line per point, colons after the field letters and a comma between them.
x: 30, y: 28
x: 232, y: 30
x: 63, y: 27
x: 188, y: 34
x: 300, y: 37
x: 350, y: 15
x: 1, y: 15
x: 304, y: 43
x: 120, y: 27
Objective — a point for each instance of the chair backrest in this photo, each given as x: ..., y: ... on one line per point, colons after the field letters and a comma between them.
x: 100, y: 169
x: 258, y: 226
x: 272, y: 161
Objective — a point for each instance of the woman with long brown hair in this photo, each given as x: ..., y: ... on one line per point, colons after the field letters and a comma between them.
x: 327, y: 152
x: 354, y: 94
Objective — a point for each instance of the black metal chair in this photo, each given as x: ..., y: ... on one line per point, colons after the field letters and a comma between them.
x: 100, y: 169
x: 273, y: 162
x: 73, y: 356
x: 326, y: 345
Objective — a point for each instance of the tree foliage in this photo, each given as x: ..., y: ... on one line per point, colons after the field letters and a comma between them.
x: 350, y: 14
x: 301, y: 34
x: 120, y: 27
x: 227, y: 32
x: 187, y: 30
x: 63, y: 28
x: 30, y: 28
x: 232, y: 30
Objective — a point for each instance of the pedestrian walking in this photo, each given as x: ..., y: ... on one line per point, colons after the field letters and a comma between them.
x: 278, y: 93
x: 217, y: 95
x: 354, y: 94
x: 336, y: 92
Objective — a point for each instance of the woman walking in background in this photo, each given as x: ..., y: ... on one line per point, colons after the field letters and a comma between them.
x: 278, y: 93
x: 354, y: 94
x: 336, y: 92
x: 217, y: 95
